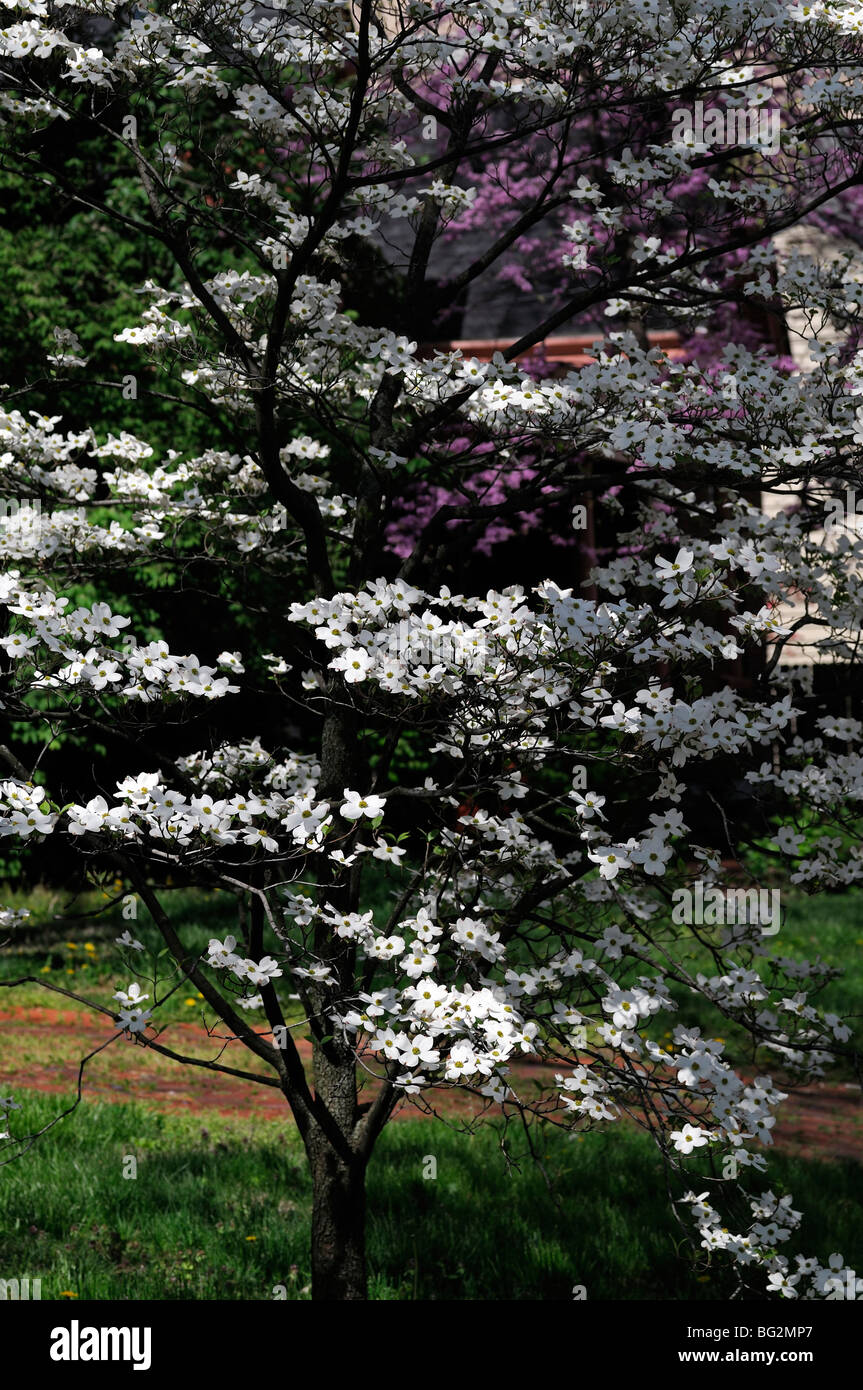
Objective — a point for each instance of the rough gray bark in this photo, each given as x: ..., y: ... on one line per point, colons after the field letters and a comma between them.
x: 338, y: 1222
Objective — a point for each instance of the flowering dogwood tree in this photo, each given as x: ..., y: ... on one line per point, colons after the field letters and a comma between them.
x: 532, y: 864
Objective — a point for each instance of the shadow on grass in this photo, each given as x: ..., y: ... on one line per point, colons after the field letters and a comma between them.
x: 220, y: 1209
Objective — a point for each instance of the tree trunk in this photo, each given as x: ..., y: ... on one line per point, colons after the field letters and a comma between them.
x: 338, y: 1173
x: 338, y: 1223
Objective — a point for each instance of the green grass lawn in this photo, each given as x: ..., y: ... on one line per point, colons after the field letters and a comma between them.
x: 220, y: 1208
x: 82, y: 957
x: 223, y: 1211
x: 827, y: 926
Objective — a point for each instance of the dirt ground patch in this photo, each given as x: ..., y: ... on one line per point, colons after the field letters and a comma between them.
x: 43, y: 1048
